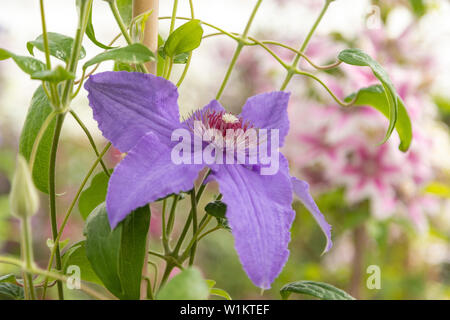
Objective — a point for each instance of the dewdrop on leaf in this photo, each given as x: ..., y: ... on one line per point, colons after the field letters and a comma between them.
x: 23, y: 198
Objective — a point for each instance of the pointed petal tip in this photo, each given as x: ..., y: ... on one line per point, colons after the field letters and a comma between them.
x: 301, y: 189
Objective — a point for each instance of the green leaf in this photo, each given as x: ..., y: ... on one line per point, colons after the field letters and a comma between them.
x: 134, y: 53
x: 216, y: 291
x: 220, y: 293
x: 60, y: 46
x: 90, y: 32
x: 95, y: 194
x: 8, y: 278
x: 11, y: 291
x: 216, y: 208
x: 76, y: 256
x: 187, y: 285
x: 375, y: 96
x: 357, y: 57
x: 117, y: 256
x: 419, y: 7
x: 39, y: 109
x: 62, y: 244
x: 125, y: 9
x: 438, y: 189
x: 119, y: 66
x: 184, y: 39
x: 181, y: 58
x: 27, y: 64
x: 319, y: 290
x: 56, y: 75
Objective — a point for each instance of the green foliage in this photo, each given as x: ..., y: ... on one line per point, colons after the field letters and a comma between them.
x: 319, y: 290
x: 60, y: 46
x: 117, y: 256
x: 8, y: 278
x: 135, y: 53
x: 418, y: 7
x: 90, y: 32
x: 56, y: 75
x: 439, y: 189
x: 95, y: 194
x: 76, y: 255
x: 11, y: 291
x: 126, y: 10
x: 216, y: 291
x: 184, y: 39
x: 187, y: 285
x: 218, y: 210
x: 357, y: 57
x: 27, y: 64
x: 375, y: 96
x: 39, y: 110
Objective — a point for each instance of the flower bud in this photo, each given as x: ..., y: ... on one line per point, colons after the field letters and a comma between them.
x: 23, y: 198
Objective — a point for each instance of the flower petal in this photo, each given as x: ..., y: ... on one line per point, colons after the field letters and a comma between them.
x: 146, y: 174
x: 268, y: 111
x: 127, y: 105
x: 301, y: 189
x: 260, y: 215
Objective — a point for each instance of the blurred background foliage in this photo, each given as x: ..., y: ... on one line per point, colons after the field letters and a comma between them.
x: 401, y: 222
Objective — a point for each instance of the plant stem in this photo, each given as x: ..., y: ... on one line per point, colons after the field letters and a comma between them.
x: 163, y: 228
x: 304, y: 45
x: 194, y: 226
x: 45, y: 36
x: 174, y: 15
x: 27, y: 252
x: 49, y: 274
x: 238, y: 50
x: 52, y: 193
x: 85, y: 8
x: 171, y: 219
x: 69, y: 211
x: 123, y: 28
x: 119, y: 21
x: 91, y: 141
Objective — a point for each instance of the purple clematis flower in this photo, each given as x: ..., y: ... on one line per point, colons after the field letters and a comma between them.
x: 139, y: 112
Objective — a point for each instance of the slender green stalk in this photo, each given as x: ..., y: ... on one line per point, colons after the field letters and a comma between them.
x: 123, y: 28
x: 155, y: 280
x: 304, y: 45
x: 163, y: 227
x: 233, y: 36
x: 52, y: 193
x: 54, y: 91
x: 194, y: 240
x: 119, y: 21
x: 45, y: 35
x: 72, y: 66
x: 49, y: 274
x: 238, y: 50
x: 194, y: 226
x: 171, y: 219
x: 174, y: 15
x: 70, y: 209
x: 167, y: 271
x: 27, y: 252
x: 91, y: 140
x: 85, y: 7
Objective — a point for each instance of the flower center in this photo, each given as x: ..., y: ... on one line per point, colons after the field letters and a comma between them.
x: 223, y: 128
x: 229, y: 118
x: 217, y: 120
